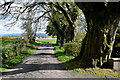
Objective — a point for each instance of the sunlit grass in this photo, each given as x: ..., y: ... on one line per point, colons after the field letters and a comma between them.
x: 11, y: 62
x: 75, y: 66
x: 98, y: 71
x: 46, y: 40
x: 8, y: 61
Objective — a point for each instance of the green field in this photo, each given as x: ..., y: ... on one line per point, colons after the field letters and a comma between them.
x: 46, y: 40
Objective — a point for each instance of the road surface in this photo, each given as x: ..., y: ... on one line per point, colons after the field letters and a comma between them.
x: 42, y: 64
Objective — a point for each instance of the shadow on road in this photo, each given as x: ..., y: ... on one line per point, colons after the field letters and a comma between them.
x: 45, y: 49
x: 31, y: 65
x: 46, y: 44
x: 43, y: 54
x: 35, y: 67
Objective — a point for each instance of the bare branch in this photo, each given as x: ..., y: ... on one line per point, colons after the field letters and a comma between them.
x: 43, y: 15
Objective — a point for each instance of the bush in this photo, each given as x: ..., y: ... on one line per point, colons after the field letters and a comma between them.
x: 116, y: 47
x: 18, y: 50
x: 72, y: 48
x: 5, y: 55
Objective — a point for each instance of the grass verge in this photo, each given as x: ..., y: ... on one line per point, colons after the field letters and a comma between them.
x: 9, y: 63
x: 59, y: 52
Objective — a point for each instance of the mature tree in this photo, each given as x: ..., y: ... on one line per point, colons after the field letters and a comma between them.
x: 102, y: 21
x: 69, y: 10
x: 63, y: 28
x: 116, y: 47
x: 71, y: 13
x: 27, y: 13
x: 80, y: 30
x: 30, y: 26
x: 27, y: 26
x: 60, y: 24
x: 51, y: 31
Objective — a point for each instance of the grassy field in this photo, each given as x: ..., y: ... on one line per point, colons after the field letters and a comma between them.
x: 46, y: 40
x: 59, y: 52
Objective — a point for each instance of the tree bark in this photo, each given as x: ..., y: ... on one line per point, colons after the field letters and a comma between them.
x: 58, y: 38
x: 70, y: 33
x: 98, y: 43
x: 62, y: 40
x: 34, y: 35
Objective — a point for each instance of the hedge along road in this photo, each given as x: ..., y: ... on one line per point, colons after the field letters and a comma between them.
x: 42, y: 64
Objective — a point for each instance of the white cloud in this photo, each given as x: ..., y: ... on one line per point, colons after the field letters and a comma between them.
x: 11, y: 30
x: 16, y: 28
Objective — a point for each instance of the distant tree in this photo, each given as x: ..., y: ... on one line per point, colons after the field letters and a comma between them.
x: 71, y: 13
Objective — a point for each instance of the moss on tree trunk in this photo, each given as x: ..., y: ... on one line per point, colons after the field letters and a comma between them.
x: 97, y: 45
x: 102, y: 26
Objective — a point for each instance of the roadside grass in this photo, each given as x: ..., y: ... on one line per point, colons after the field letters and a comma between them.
x: 75, y: 66
x: 2, y: 69
x: 46, y: 40
x: 59, y: 52
x: 10, y: 61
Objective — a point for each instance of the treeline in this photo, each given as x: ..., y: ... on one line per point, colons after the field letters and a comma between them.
x: 99, y: 22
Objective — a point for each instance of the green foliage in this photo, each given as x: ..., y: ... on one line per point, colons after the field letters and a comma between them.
x: 118, y: 30
x: 65, y: 58
x: 79, y: 36
x: 72, y: 48
x: 7, y: 40
x: 17, y: 51
x: 5, y: 55
x: 97, y: 71
x: 50, y: 29
x: 1, y: 69
x: 32, y: 46
x: 34, y: 43
x: 10, y: 47
x: 12, y: 62
x: 116, y: 47
x: 63, y: 21
x: 8, y: 63
x: 59, y: 52
x: 75, y: 66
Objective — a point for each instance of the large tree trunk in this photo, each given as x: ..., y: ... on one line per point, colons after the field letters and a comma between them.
x: 34, y: 35
x: 62, y: 40
x: 98, y: 43
x: 70, y: 34
x: 58, y: 39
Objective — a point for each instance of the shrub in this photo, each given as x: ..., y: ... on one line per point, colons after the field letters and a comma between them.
x: 5, y: 55
x: 18, y: 50
x: 116, y: 47
x: 72, y: 48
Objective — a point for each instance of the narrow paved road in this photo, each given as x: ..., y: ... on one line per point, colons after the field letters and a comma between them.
x: 42, y: 64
